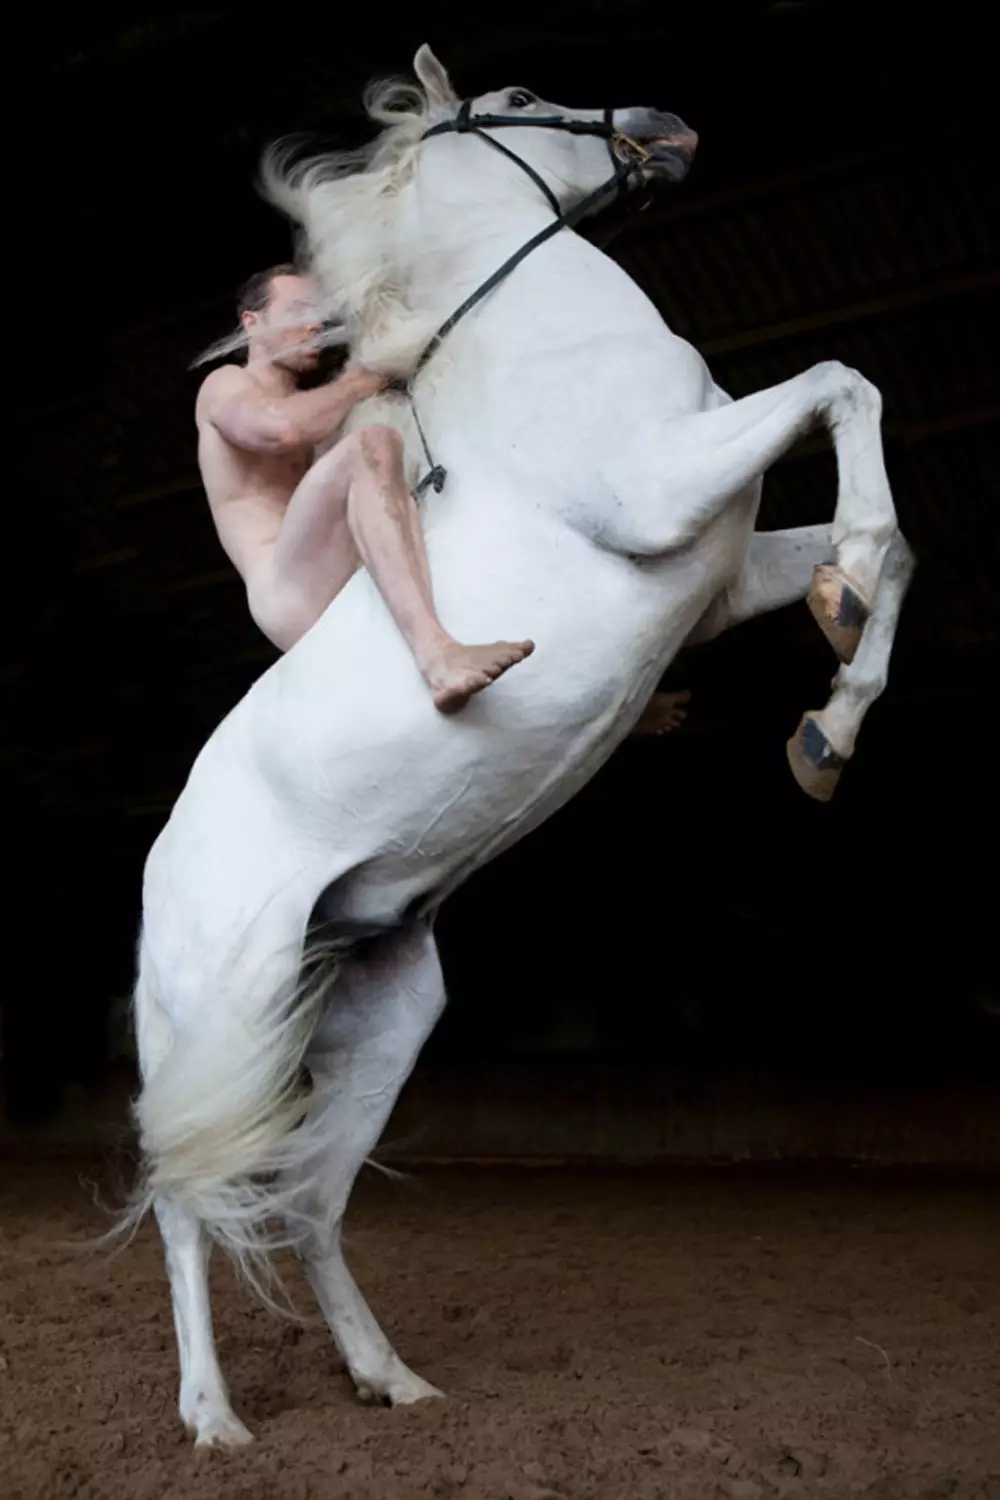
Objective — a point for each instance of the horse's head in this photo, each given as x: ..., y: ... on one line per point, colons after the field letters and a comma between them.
x: 375, y: 220
x: 573, y: 151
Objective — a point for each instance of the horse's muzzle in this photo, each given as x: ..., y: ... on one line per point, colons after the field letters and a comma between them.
x: 671, y: 155
x: 667, y: 142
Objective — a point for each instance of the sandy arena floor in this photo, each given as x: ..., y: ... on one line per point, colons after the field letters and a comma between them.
x: 715, y: 1335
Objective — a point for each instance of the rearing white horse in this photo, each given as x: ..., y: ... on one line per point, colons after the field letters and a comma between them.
x: 601, y: 496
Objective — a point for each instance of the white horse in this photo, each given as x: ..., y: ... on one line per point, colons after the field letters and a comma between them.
x: 601, y: 497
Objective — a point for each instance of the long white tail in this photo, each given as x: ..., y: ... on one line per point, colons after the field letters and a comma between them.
x: 221, y: 1102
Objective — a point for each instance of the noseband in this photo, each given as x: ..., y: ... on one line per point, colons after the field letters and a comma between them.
x: 627, y: 157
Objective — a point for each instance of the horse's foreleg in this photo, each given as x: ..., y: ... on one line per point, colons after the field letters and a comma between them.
x: 825, y: 739
x: 696, y: 466
x: 204, y: 1402
x: 685, y: 474
x: 382, y: 1011
x: 778, y: 571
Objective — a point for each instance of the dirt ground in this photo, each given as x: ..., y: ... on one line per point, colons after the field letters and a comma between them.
x: 717, y: 1335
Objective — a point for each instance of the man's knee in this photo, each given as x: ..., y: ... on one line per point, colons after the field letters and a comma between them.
x: 376, y: 447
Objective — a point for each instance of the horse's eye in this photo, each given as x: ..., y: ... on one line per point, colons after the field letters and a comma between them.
x: 520, y: 99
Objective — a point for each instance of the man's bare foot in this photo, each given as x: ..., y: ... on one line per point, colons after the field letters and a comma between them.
x: 664, y: 711
x: 460, y: 671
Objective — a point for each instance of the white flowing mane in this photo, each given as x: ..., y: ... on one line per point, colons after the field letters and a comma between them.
x: 347, y: 203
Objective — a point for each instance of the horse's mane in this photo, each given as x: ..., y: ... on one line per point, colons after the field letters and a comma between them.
x: 399, y: 106
x: 344, y: 205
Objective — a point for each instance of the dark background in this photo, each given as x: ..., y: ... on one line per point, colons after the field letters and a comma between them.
x: 692, y: 903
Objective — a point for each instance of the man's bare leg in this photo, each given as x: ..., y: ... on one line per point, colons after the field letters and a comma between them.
x: 354, y: 507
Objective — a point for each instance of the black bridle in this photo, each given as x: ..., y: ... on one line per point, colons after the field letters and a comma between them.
x: 627, y: 156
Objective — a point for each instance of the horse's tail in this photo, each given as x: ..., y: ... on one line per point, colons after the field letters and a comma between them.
x: 221, y: 1101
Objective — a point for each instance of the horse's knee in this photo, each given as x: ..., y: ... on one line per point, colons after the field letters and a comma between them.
x: 847, y: 391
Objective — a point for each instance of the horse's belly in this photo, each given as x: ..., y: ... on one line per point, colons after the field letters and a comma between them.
x: 337, y: 762
x: 372, y: 761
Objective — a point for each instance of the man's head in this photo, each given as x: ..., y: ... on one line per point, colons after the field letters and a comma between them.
x: 277, y: 308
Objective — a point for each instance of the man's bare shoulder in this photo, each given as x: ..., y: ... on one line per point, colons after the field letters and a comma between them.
x: 222, y: 384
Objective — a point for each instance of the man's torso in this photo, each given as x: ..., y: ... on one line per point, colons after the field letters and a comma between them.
x: 248, y: 493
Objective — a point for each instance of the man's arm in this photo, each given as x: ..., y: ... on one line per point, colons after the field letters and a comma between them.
x: 234, y: 403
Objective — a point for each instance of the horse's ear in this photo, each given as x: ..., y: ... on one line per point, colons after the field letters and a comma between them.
x: 435, y: 80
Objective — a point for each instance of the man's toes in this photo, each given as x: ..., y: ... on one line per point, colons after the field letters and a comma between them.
x: 515, y: 652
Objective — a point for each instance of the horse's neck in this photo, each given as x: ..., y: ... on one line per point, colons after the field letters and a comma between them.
x: 564, y: 289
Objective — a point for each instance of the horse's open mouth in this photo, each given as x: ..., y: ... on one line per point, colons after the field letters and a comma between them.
x: 685, y: 142
x: 667, y: 156
x: 670, y: 156
x: 637, y: 151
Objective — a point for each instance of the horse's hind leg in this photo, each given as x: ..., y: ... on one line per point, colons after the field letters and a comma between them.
x: 385, y: 1005
x: 220, y: 1048
x: 204, y: 1400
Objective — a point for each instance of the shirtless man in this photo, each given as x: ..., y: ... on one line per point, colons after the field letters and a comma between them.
x: 298, y: 525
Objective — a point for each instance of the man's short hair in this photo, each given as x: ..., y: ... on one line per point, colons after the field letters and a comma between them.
x: 253, y: 295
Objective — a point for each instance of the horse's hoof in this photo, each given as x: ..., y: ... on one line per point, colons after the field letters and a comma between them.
x: 408, y: 1392
x: 224, y: 1430
x: 399, y: 1387
x: 815, y: 764
x: 839, y: 609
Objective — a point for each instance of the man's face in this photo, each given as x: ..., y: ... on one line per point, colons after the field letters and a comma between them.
x: 289, y: 326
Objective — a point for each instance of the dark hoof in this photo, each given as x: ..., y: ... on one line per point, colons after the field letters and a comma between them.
x: 815, y: 764
x: 839, y: 609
